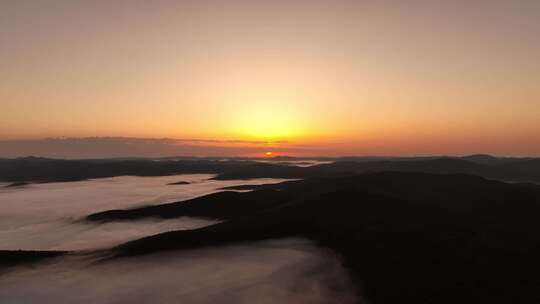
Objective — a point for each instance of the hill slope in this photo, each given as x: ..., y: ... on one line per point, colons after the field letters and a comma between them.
x: 406, y: 237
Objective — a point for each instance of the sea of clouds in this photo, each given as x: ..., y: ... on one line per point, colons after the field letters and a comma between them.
x: 48, y: 217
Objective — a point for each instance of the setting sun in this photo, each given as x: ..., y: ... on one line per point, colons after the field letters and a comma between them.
x: 268, y: 153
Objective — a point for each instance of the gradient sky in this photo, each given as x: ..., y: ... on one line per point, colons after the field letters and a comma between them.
x: 328, y: 77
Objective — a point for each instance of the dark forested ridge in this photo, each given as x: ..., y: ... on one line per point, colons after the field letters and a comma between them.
x: 10, y: 258
x: 405, y: 237
x: 33, y: 169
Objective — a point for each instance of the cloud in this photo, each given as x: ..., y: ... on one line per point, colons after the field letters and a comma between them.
x: 47, y: 216
x: 279, y: 271
x: 108, y: 147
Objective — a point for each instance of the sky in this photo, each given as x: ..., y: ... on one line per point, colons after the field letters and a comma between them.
x: 297, y: 77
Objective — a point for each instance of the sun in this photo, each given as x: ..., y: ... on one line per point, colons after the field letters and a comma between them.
x: 269, y: 153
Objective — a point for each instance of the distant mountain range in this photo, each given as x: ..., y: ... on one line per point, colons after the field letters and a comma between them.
x: 38, y: 170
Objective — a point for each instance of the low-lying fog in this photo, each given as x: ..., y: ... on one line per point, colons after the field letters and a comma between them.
x: 280, y: 272
x: 46, y: 216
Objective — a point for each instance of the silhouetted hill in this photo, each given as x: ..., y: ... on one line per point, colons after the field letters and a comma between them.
x: 246, y: 187
x: 528, y: 167
x: 265, y: 170
x: 447, y: 166
x: 222, y: 205
x: 485, y: 159
x: 10, y: 258
x: 179, y: 183
x: 406, y: 237
x: 50, y: 170
x: 439, y: 166
x: 16, y: 184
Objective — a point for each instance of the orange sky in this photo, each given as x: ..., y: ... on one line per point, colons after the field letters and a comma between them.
x: 328, y: 77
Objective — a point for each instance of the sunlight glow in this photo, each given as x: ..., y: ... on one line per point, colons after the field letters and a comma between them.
x: 269, y: 121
